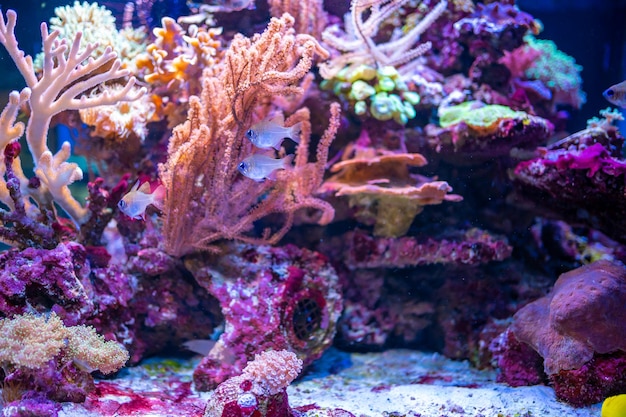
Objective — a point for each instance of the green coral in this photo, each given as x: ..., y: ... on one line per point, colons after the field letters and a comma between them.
x: 379, y: 93
x: 557, y: 70
x: 476, y: 114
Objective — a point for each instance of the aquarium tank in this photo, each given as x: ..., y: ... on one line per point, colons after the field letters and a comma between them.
x: 308, y: 208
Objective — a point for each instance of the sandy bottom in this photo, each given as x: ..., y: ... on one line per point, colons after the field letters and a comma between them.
x: 390, y: 384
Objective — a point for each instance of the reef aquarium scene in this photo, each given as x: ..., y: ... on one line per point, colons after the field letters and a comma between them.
x: 308, y: 208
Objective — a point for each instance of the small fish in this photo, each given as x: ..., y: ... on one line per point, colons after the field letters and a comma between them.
x: 259, y: 167
x: 134, y: 203
x: 614, y: 406
x: 270, y: 133
x: 199, y: 346
x: 616, y: 94
x: 222, y: 6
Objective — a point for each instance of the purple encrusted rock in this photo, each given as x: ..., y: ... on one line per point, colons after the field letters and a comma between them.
x: 272, y: 298
x: 584, y: 314
x: 472, y: 247
x: 582, y: 183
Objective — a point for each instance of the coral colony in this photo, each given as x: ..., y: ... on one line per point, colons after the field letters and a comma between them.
x: 427, y: 146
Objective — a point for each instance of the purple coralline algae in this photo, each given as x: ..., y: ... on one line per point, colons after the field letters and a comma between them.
x: 272, y: 298
x: 472, y: 247
x: 582, y: 176
x: 494, y: 28
x: 145, y: 314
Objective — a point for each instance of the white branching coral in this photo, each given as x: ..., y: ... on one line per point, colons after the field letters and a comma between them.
x: 69, y: 74
x: 357, y: 46
x: 9, y: 132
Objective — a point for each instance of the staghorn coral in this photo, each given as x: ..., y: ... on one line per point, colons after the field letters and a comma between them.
x: 207, y: 198
x: 357, y: 44
x: 66, y: 76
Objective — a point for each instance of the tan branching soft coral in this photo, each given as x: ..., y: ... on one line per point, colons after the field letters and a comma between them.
x: 309, y: 15
x: 207, y: 198
x: 32, y: 341
x: 380, y: 186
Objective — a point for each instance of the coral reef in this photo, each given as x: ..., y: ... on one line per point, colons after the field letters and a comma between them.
x: 262, y: 273
x: 584, y: 171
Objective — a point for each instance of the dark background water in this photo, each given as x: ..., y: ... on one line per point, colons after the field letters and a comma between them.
x: 592, y: 31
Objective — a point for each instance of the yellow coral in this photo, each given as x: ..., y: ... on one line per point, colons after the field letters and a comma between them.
x: 121, y: 120
x: 97, y: 25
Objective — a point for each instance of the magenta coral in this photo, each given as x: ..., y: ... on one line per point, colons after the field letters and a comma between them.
x: 581, y: 174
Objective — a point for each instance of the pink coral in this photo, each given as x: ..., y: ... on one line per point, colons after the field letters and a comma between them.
x: 260, y: 390
x: 274, y: 370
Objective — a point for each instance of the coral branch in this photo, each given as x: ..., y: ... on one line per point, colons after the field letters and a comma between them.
x: 68, y: 82
x: 357, y: 43
x: 208, y: 199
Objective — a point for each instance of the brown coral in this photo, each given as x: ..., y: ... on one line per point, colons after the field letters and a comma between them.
x: 379, y: 184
